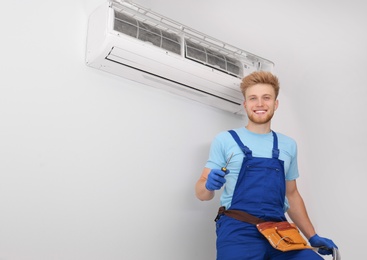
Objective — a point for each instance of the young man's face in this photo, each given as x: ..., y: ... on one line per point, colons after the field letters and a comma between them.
x: 260, y: 103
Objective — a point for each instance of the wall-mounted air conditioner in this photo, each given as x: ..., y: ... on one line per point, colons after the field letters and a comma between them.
x: 135, y: 43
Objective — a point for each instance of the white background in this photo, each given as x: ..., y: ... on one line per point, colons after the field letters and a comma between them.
x: 93, y: 166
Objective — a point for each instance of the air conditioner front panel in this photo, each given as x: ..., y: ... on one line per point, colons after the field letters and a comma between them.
x: 134, y: 74
x: 176, y: 69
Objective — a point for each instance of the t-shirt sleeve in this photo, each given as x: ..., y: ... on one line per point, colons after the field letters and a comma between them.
x: 216, y: 153
x: 293, y: 172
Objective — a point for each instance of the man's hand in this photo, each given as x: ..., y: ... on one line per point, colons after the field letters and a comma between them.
x: 326, y: 244
x: 215, y: 179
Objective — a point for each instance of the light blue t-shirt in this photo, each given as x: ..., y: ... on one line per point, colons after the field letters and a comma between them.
x: 261, y: 145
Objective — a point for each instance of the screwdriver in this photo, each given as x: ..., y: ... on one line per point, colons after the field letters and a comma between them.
x: 224, y: 169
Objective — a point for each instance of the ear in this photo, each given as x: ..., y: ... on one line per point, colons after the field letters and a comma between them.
x: 276, y: 104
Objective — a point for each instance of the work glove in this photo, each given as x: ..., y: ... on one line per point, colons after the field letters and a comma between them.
x: 326, y: 244
x: 215, y: 179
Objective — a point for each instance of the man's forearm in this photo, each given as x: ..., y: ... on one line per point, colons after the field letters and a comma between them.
x: 201, y: 192
x: 298, y: 213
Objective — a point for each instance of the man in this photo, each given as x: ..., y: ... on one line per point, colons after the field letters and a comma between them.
x: 260, y: 179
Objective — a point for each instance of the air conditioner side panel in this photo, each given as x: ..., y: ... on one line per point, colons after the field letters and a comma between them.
x: 97, y: 34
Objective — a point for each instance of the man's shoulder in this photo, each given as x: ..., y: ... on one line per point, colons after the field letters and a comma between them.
x: 226, y: 133
x: 286, y: 140
x: 284, y: 136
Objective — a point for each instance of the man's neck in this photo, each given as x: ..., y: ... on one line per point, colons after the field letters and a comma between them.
x: 258, y: 128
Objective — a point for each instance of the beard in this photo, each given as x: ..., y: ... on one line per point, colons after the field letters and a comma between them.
x: 260, y: 119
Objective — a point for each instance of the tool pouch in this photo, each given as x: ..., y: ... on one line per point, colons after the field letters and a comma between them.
x: 283, y: 236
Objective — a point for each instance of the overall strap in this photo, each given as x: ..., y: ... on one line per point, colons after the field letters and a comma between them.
x: 244, y: 148
x: 275, y: 145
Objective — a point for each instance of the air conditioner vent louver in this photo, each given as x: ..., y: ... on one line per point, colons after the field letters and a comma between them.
x: 171, y: 42
x: 212, y: 58
x: 145, y: 32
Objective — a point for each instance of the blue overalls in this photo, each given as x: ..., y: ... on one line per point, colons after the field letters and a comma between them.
x: 260, y: 191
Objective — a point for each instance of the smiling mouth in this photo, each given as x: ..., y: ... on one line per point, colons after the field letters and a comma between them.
x: 260, y: 112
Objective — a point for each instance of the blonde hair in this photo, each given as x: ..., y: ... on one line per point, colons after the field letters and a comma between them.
x: 260, y: 77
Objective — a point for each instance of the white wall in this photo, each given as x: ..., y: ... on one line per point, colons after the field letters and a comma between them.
x: 97, y: 167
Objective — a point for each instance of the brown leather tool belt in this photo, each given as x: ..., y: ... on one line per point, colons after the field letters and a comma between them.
x: 239, y: 215
x: 283, y: 235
